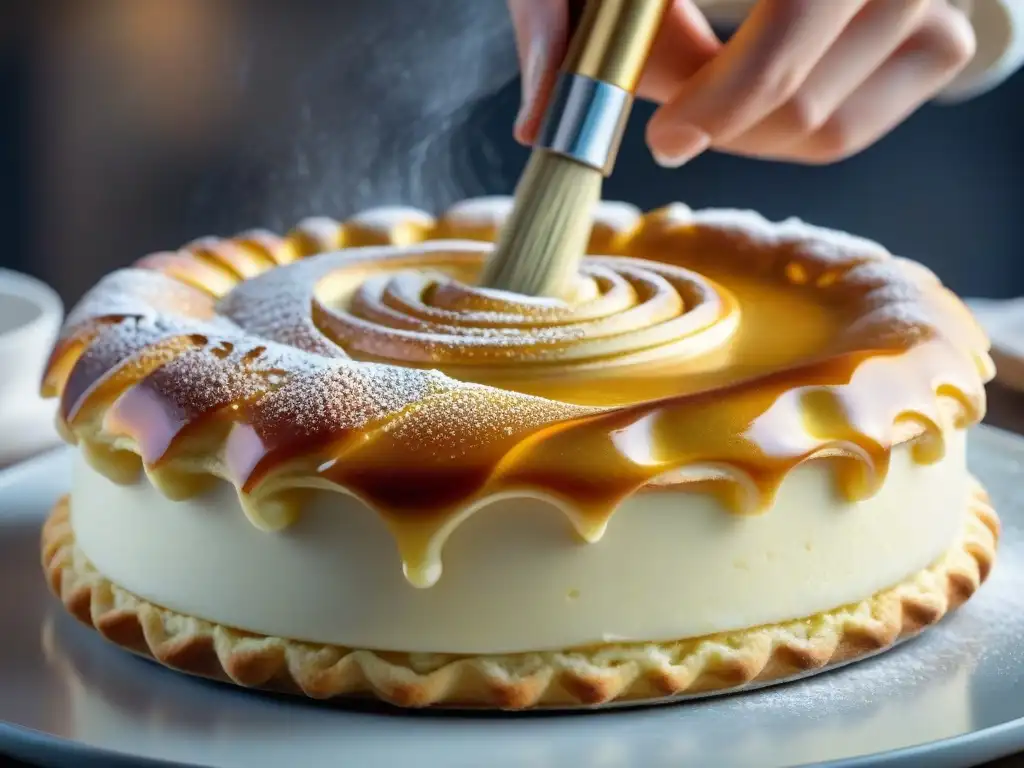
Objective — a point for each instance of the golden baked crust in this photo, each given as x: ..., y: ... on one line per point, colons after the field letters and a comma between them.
x: 571, y: 678
x: 361, y: 356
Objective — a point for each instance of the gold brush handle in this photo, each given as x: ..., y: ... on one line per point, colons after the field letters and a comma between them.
x: 613, y: 39
x: 545, y: 237
x: 592, y: 100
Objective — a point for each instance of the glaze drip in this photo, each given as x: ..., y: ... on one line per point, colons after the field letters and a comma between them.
x: 716, y: 353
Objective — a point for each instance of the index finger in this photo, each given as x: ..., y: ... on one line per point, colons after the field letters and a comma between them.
x: 761, y: 66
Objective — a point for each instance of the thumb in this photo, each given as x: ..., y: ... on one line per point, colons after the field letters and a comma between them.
x: 542, y: 37
x: 685, y: 42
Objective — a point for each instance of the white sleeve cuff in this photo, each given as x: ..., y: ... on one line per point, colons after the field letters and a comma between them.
x: 999, y: 28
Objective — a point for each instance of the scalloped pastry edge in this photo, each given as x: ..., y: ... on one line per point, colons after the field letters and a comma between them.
x: 579, y: 677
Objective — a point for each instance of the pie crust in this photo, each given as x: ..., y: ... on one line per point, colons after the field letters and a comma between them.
x: 578, y: 677
x: 360, y: 356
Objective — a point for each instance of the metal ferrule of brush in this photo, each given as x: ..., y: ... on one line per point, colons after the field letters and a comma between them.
x: 585, y: 120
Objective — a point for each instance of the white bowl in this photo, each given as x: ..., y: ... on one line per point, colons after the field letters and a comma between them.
x: 30, y: 318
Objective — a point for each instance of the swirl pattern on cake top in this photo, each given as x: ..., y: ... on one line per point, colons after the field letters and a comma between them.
x: 711, y: 350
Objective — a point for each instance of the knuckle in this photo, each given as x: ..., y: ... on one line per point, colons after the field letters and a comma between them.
x: 773, y: 85
x: 835, y: 141
x: 948, y: 37
x: 804, y: 115
x: 914, y: 8
x: 788, y: 11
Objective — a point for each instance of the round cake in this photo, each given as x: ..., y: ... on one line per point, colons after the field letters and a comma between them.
x: 330, y: 464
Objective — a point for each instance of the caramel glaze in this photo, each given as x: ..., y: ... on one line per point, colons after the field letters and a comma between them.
x: 725, y: 352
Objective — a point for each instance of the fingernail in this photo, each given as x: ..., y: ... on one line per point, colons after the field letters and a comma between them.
x: 533, y: 70
x: 678, y: 145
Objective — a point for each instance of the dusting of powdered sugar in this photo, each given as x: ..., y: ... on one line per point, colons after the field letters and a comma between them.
x: 616, y: 215
x: 140, y: 293
x: 116, y: 342
x: 219, y: 373
x: 939, y: 663
x: 916, y: 271
x: 278, y: 347
x: 892, y: 301
x: 323, y: 232
x: 885, y: 273
x: 827, y: 247
x: 540, y: 302
x: 321, y: 396
x: 465, y: 421
x: 277, y: 306
x: 490, y: 211
x: 674, y: 213
x: 883, y: 286
x: 976, y: 630
x: 384, y: 219
x: 894, y: 296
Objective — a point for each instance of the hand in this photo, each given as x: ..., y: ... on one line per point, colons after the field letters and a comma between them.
x: 807, y: 81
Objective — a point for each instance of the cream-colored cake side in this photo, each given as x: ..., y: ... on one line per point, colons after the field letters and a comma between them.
x: 590, y: 676
x: 673, y: 564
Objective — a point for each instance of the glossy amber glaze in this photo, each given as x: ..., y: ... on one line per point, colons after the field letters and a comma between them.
x: 714, y: 351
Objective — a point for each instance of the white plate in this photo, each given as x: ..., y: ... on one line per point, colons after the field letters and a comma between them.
x: 951, y: 698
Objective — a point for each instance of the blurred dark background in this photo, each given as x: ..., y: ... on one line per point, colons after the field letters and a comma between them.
x: 128, y: 126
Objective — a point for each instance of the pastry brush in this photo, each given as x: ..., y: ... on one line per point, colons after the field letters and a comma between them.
x: 546, y: 235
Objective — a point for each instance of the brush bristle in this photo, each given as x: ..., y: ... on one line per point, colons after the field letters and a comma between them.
x: 545, y: 237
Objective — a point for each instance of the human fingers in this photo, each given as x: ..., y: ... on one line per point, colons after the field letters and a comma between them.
x: 869, y: 40
x: 922, y: 66
x: 685, y: 42
x: 542, y: 33
x: 759, y: 69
